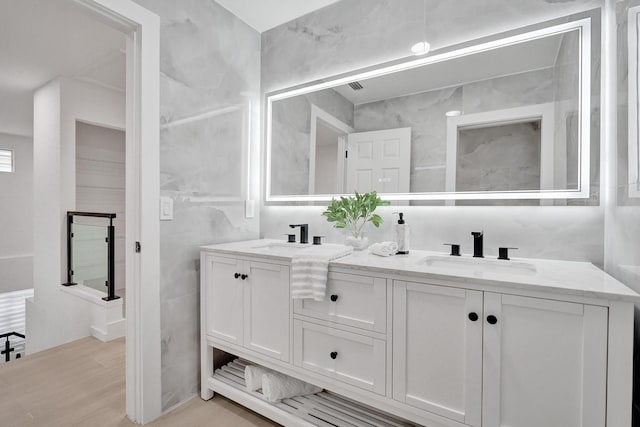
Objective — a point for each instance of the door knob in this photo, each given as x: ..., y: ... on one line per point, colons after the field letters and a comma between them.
x: 473, y: 316
x: 334, y: 297
x: 492, y: 319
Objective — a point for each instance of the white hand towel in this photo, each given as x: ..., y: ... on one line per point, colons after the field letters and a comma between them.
x: 309, y: 271
x: 384, y: 248
x: 276, y: 386
x: 253, y: 376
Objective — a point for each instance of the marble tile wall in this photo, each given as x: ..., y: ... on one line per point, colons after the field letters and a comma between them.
x: 565, y: 90
x: 352, y: 34
x: 210, y: 66
x: 425, y: 114
x: 622, y: 225
x: 499, y: 158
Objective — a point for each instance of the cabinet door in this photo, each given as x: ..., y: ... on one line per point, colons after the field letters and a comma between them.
x: 437, y: 350
x: 224, y: 298
x: 544, y: 363
x: 267, y: 309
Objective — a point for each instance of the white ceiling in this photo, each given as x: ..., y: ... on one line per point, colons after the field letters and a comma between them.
x: 514, y: 59
x: 41, y: 40
x: 266, y: 14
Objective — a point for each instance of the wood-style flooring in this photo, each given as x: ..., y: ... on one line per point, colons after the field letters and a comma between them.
x: 82, y: 384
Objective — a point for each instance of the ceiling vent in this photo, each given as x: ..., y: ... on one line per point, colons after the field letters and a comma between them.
x: 356, y: 85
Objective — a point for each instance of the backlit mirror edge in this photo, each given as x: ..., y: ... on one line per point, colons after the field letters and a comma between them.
x: 583, y: 25
x: 633, y: 32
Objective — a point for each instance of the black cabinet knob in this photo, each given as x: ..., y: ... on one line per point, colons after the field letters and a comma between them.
x: 473, y: 316
x: 492, y: 319
x: 236, y: 275
x: 334, y: 297
x: 244, y: 276
x: 333, y: 354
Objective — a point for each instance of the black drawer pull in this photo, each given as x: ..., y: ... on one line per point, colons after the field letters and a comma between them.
x: 236, y: 275
x: 473, y: 316
x: 244, y: 276
x: 492, y: 319
x: 334, y: 297
x: 333, y: 354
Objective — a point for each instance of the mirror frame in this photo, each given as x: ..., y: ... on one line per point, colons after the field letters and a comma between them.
x: 633, y: 33
x: 583, y: 26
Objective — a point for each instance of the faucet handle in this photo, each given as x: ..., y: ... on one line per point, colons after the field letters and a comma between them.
x: 455, y: 249
x: 503, y: 253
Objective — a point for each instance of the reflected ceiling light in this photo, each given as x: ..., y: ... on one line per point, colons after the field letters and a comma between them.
x: 453, y: 113
x: 422, y: 47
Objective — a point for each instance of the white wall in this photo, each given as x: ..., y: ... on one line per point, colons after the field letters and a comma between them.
x: 100, y: 187
x: 54, y: 317
x: 16, y: 207
x: 16, y: 111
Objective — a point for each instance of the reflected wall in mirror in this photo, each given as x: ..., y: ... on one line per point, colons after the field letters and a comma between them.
x: 506, y: 118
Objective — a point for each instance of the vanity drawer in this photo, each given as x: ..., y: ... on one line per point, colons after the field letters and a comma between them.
x: 352, y: 300
x: 350, y: 358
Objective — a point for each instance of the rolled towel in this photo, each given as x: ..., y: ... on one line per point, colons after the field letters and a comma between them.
x: 253, y: 376
x: 276, y: 386
x: 384, y: 248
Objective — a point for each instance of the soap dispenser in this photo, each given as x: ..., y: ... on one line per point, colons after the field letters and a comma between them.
x: 402, y: 236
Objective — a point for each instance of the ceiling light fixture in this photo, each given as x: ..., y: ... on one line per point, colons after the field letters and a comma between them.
x: 423, y: 47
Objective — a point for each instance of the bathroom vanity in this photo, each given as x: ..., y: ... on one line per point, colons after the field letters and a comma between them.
x: 433, y: 339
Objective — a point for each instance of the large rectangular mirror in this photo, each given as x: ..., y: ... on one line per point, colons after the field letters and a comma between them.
x: 506, y: 117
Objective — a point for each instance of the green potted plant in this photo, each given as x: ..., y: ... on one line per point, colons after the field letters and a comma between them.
x: 353, y: 213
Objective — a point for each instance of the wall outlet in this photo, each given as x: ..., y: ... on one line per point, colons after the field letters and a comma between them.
x: 166, y: 209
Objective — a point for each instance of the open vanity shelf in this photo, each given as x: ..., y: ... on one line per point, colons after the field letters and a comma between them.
x: 323, y: 409
x: 428, y: 339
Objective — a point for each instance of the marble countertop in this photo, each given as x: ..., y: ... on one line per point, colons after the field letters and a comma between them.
x: 559, y: 277
x: 279, y: 250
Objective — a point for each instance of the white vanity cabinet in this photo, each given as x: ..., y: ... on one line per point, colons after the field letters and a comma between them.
x: 525, y: 343
x: 224, y: 298
x: 493, y: 360
x: 544, y: 362
x: 437, y: 350
x: 247, y: 304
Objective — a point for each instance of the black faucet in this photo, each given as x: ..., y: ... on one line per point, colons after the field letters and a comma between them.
x: 477, y: 243
x: 304, y: 232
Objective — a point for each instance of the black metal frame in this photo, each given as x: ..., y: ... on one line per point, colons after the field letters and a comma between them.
x: 111, y: 241
x: 7, y: 345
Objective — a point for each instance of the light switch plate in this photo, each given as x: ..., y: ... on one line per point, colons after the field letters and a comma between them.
x: 166, y: 209
x: 249, y: 208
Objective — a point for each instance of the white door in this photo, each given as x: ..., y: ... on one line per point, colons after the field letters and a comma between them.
x: 266, y: 314
x: 379, y: 161
x: 545, y: 363
x: 224, y: 298
x: 437, y: 350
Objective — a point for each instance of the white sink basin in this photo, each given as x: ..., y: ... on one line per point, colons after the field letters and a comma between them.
x: 280, y: 247
x: 480, y: 266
